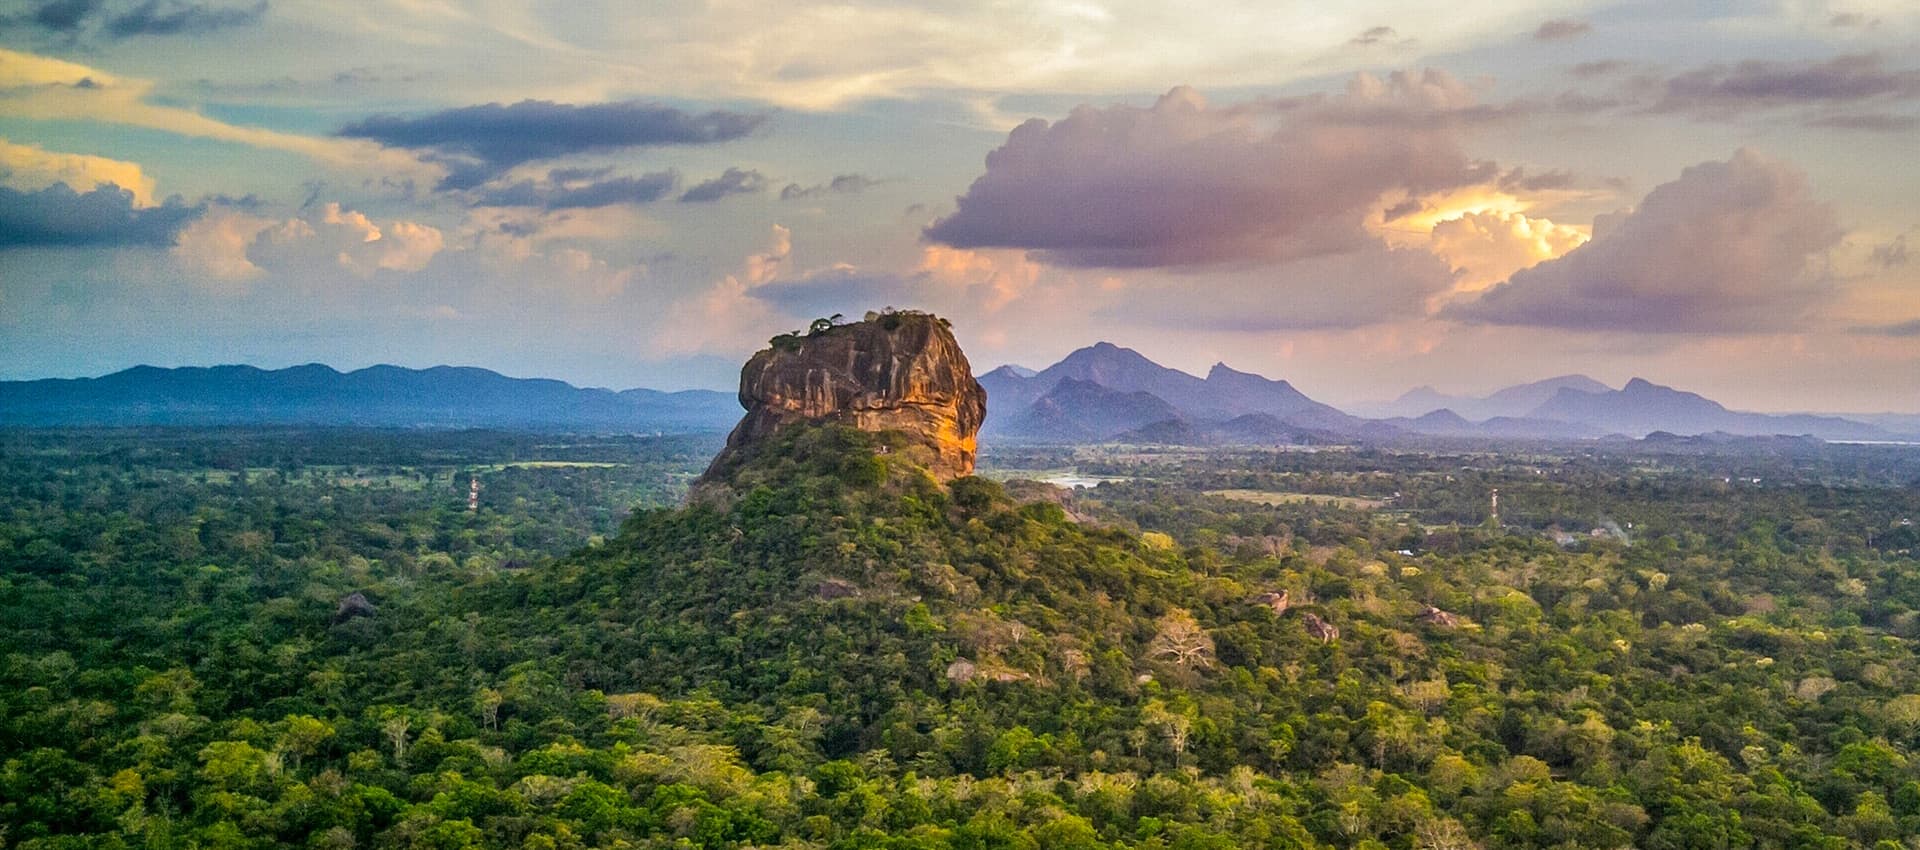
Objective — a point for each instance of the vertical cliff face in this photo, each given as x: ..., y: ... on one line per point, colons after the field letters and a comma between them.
x: 894, y: 372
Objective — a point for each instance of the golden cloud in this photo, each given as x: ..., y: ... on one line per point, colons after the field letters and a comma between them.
x: 30, y: 167
x: 45, y: 89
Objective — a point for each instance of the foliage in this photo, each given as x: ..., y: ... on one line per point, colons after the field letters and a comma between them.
x: 846, y: 654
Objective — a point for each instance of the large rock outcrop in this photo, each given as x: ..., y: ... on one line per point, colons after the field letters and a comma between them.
x: 900, y: 372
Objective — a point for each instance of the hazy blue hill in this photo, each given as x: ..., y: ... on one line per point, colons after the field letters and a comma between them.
x: 1518, y: 401
x: 1252, y: 429
x: 1130, y: 371
x: 1263, y: 429
x: 442, y: 396
x: 1527, y: 428
x: 1442, y: 421
x: 1167, y: 432
x: 1077, y: 410
x: 1244, y: 392
x: 1513, y: 402
x: 1643, y: 407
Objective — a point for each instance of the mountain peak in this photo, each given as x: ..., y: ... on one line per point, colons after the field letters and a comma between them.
x: 1105, y: 352
x: 1222, y: 371
x: 1641, y: 385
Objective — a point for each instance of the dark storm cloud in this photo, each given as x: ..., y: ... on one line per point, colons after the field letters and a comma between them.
x: 734, y: 181
x: 845, y: 184
x: 1724, y: 90
x: 1561, y: 29
x: 1182, y: 183
x: 177, y: 18
x: 104, y: 216
x: 477, y: 143
x: 573, y: 188
x: 1726, y: 247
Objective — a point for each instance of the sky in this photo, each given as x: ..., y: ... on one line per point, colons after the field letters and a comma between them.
x: 1716, y: 196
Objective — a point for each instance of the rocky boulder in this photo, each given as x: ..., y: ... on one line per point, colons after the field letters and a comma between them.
x: 1319, y: 629
x: 352, y: 606
x: 897, y: 371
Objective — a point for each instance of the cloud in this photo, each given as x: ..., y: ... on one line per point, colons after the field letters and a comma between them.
x: 34, y: 167
x: 1518, y: 180
x: 1599, y: 68
x: 1367, y: 286
x: 45, y: 89
x: 727, y: 318
x: 333, y: 253
x: 1723, y: 91
x: 331, y: 235
x: 1891, y: 254
x: 734, y: 181
x: 1484, y: 248
x: 151, y: 17
x: 1373, y: 35
x: 478, y: 143
x: 1562, y: 29
x: 1726, y: 247
x: 214, y: 246
x: 63, y: 15
x: 181, y: 18
x: 1182, y: 183
x: 1909, y: 328
x: 844, y: 184
x: 104, y: 216
x: 1874, y: 122
x: 836, y: 289
x: 560, y: 192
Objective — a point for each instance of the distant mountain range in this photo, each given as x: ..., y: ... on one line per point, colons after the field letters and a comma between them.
x: 1643, y: 407
x: 1515, y: 402
x: 1064, y: 398
x: 1107, y: 393
x: 385, y: 396
x: 1101, y: 393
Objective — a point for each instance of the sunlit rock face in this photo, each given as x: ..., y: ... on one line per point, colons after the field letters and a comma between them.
x: 892, y: 372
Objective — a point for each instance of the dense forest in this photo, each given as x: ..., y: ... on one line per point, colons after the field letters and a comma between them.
x: 305, y: 638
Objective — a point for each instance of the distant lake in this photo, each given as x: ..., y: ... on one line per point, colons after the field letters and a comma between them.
x: 1076, y: 481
